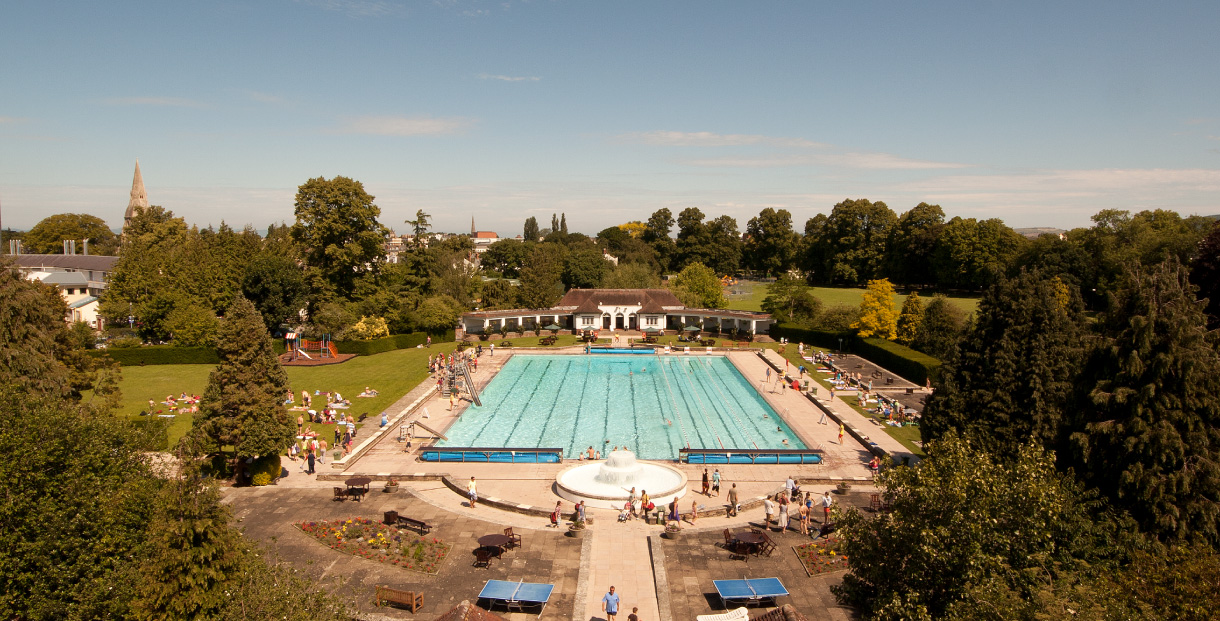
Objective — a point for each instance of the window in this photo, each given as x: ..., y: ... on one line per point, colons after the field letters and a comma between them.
x: 650, y: 320
x: 586, y: 320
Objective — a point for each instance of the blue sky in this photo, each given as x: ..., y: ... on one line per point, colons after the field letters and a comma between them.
x: 1039, y: 113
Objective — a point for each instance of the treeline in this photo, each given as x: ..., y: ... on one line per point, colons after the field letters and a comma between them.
x: 1073, y: 465
x: 94, y: 527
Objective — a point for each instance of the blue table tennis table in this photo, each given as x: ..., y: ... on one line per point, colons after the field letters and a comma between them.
x: 749, y: 591
x: 517, y: 595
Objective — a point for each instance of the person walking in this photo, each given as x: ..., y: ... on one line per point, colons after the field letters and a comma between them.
x: 635, y: 614
x: 840, y: 433
x: 310, y: 459
x: 716, y: 482
x: 557, y: 513
x: 321, y: 451
x: 473, y: 492
x: 732, y: 512
x: 707, y: 484
x: 610, y: 604
x: 827, y: 501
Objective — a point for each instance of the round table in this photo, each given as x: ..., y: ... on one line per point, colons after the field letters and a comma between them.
x: 495, y: 541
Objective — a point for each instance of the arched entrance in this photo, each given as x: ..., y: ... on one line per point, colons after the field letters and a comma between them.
x: 618, y: 322
x: 606, y: 322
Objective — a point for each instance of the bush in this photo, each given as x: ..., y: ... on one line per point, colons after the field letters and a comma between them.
x: 389, y: 343
x: 152, y: 432
x: 125, y: 342
x: 264, y: 470
x: 825, y: 339
x: 160, y: 354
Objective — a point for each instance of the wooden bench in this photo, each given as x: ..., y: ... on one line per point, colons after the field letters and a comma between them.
x: 420, y: 525
x: 412, y: 600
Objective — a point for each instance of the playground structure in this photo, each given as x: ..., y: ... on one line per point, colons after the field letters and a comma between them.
x: 310, y: 350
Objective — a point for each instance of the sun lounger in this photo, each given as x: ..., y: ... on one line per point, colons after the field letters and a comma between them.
x: 749, y: 591
x: 741, y: 614
x: 517, y: 595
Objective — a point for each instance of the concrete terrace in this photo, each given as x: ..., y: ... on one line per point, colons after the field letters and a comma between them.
x: 632, y: 556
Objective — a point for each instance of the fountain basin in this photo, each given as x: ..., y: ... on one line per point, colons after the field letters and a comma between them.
x: 608, y: 484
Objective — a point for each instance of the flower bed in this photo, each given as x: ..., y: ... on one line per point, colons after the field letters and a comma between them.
x: 821, y: 557
x: 376, y: 541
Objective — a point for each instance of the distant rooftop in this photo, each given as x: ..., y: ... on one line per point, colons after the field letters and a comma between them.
x: 60, y: 262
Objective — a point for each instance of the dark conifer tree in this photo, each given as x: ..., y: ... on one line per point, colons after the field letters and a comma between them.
x: 1148, y: 428
x: 1011, y: 378
x: 243, y: 404
x: 1205, y: 274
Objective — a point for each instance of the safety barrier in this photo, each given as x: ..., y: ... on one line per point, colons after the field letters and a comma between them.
x: 498, y: 455
x: 750, y: 456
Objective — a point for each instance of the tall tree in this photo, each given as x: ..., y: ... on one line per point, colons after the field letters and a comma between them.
x: 912, y: 243
x: 694, y: 243
x: 877, y: 315
x: 656, y: 234
x: 1205, y: 275
x: 791, y: 299
x: 972, y: 254
x: 506, y: 257
x: 940, y: 329
x: 909, y: 319
x: 542, y: 277
x: 419, y: 226
x: 856, y: 234
x: 770, y: 245
x: 698, y: 286
x: 1013, y: 375
x: 1147, y: 432
x: 563, y: 223
x: 584, y: 268
x: 631, y: 276
x: 48, y: 235
x: 276, y: 286
x: 243, y: 404
x: 338, y: 230
x: 530, y: 234
x: 554, y: 223
x: 724, y: 245
x: 31, y: 335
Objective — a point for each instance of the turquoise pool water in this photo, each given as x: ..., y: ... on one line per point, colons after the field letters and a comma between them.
x: 653, y: 405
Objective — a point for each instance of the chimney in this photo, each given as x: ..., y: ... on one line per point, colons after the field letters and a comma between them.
x: 86, y: 242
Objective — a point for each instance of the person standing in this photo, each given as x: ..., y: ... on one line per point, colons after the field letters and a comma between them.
x: 768, y: 511
x: 610, y: 604
x: 783, y: 513
x: 732, y: 512
x: 707, y: 484
x: 321, y: 451
x: 716, y: 482
x: 789, y: 486
x: 840, y: 433
x: 827, y: 501
x: 555, y: 515
x: 310, y: 459
x: 473, y: 492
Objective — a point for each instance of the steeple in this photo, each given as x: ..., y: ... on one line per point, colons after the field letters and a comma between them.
x: 472, y: 229
x: 139, y: 197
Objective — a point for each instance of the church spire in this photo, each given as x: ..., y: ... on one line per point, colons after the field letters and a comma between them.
x: 139, y: 197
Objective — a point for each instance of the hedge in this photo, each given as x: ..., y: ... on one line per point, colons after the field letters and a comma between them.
x: 916, y: 367
x: 168, y: 354
x: 159, y: 354
x: 389, y: 343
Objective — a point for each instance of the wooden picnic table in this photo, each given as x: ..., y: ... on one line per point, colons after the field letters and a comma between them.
x: 495, y: 540
x: 358, y: 486
x: 752, y: 539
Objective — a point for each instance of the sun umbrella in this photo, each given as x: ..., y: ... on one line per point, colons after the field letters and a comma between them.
x: 553, y: 326
x: 692, y: 328
x: 651, y: 329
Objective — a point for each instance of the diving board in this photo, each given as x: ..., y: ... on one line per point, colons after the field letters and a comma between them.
x: 517, y: 595
x: 750, y: 590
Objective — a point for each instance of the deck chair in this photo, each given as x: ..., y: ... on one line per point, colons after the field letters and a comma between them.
x: 514, y: 540
x: 740, y: 614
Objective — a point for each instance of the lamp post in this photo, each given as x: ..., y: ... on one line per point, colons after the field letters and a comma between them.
x: 840, y: 346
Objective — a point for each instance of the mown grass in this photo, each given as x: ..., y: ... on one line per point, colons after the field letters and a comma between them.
x: 753, y: 294
x: 392, y: 374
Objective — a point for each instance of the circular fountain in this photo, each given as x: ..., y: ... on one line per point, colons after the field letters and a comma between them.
x: 608, y: 484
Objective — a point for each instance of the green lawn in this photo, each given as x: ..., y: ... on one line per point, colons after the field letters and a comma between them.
x: 754, y: 293
x: 906, y: 435
x: 392, y: 374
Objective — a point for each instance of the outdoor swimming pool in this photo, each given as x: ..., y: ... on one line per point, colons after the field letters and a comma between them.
x: 653, y: 405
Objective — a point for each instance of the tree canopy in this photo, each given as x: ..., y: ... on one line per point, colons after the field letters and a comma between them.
x: 337, y: 228
x: 48, y: 235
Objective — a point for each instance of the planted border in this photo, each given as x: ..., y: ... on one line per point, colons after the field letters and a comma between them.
x: 377, y: 542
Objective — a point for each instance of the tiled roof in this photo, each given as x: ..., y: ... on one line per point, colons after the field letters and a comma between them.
x: 95, y: 262
x: 588, y: 300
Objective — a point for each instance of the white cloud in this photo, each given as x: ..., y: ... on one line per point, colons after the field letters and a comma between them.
x: 404, y: 126
x: 859, y: 160
x: 508, y: 78
x: 710, y: 139
x: 180, y: 102
x: 358, y: 8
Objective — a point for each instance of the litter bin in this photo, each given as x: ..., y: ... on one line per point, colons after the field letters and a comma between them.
x: 391, y: 517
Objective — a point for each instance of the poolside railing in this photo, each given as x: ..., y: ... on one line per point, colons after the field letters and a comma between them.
x: 497, y: 455
x: 750, y: 456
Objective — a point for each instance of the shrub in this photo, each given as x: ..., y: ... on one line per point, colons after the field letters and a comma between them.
x: 265, y: 469
x: 152, y: 432
x: 124, y: 342
x: 389, y: 343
